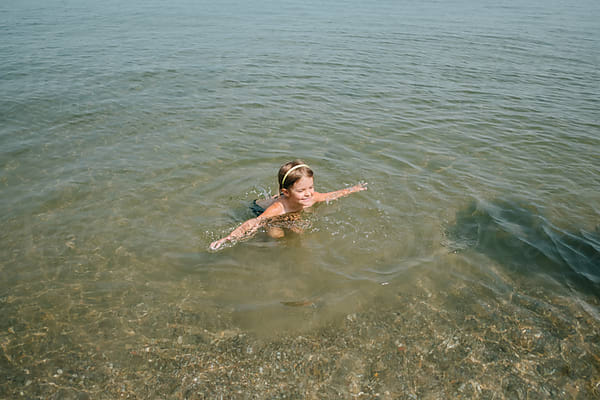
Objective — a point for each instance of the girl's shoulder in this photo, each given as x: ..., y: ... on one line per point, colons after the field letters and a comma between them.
x: 275, y: 209
x: 319, y: 197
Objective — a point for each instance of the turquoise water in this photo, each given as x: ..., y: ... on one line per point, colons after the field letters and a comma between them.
x: 132, y: 135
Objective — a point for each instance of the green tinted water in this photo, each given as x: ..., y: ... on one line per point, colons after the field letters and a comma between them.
x: 134, y: 135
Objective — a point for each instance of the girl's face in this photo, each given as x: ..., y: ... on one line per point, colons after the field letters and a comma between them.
x: 301, y: 192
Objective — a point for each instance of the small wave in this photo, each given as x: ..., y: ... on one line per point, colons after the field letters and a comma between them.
x: 518, y: 236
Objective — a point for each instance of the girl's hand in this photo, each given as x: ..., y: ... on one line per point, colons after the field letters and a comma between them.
x: 359, y: 188
x: 217, y: 244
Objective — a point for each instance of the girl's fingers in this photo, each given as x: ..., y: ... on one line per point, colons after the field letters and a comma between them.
x: 216, y: 244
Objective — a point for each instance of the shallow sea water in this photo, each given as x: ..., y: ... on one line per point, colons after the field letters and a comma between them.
x: 132, y: 135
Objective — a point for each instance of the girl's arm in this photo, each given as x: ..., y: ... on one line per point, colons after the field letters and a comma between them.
x: 340, y: 193
x: 246, y: 229
x: 249, y: 227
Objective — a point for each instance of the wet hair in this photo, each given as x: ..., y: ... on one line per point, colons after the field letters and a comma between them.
x: 294, y: 175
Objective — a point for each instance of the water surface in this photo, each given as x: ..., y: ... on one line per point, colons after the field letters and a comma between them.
x: 132, y: 135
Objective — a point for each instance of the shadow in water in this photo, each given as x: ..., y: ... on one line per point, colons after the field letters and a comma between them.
x: 519, y: 237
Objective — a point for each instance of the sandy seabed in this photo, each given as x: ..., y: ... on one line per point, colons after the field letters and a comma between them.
x: 411, y: 345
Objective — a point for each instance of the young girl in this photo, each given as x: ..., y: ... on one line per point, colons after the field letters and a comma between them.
x: 296, y: 192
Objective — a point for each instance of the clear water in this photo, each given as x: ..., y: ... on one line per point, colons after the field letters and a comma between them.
x: 133, y: 134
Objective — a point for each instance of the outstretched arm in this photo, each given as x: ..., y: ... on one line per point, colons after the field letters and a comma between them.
x: 248, y: 228
x: 340, y: 193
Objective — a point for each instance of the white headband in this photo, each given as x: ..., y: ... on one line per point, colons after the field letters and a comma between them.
x: 290, y: 170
